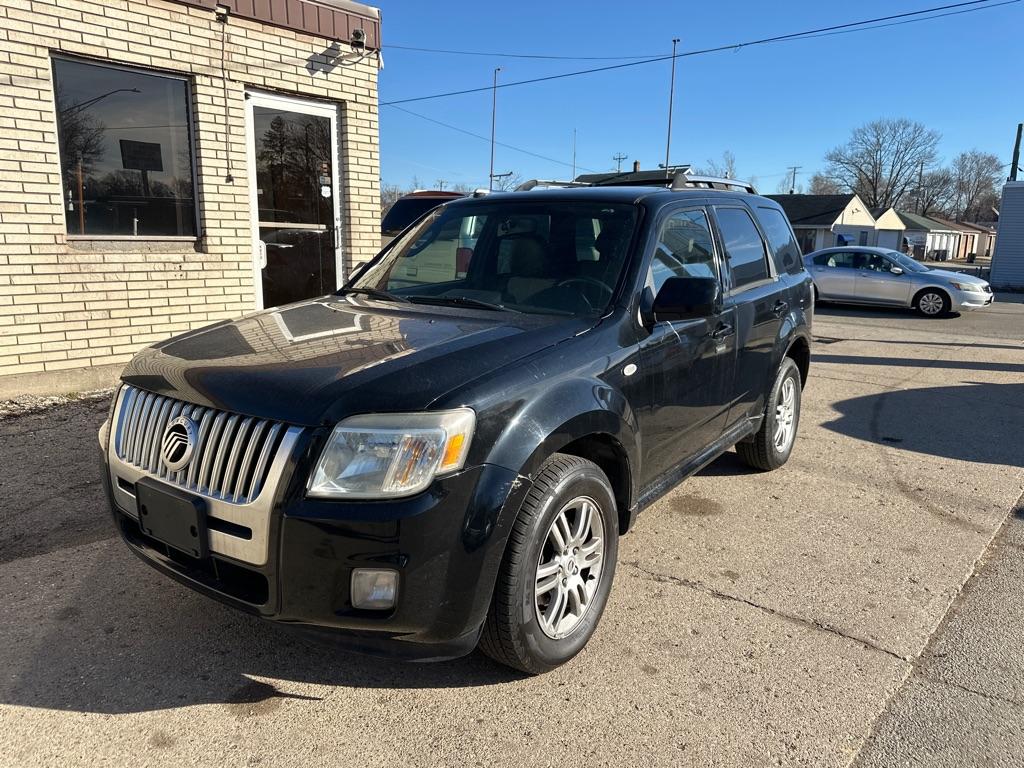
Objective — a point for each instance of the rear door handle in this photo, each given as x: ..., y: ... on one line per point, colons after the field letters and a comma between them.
x: 780, y: 307
x: 723, y: 331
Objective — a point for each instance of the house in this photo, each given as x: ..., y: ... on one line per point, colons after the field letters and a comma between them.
x: 985, y: 237
x: 1008, y: 257
x: 972, y: 239
x: 168, y: 164
x: 889, y: 229
x: 928, y: 238
x: 823, y: 221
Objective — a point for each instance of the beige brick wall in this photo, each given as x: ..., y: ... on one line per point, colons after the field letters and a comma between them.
x: 69, y: 305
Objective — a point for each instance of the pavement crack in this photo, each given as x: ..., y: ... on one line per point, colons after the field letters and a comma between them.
x: 972, y: 691
x: 809, y: 623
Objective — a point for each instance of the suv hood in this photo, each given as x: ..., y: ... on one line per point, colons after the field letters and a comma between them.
x: 319, y: 361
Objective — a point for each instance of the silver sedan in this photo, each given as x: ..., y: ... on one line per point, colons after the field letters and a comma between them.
x: 879, y: 276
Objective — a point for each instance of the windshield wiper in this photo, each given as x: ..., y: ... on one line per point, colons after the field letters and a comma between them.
x: 373, y: 293
x: 464, y: 301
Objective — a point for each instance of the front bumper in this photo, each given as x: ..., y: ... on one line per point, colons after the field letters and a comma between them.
x: 964, y: 301
x: 446, y: 543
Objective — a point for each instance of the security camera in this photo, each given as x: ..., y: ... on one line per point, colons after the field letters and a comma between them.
x: 358, y: 41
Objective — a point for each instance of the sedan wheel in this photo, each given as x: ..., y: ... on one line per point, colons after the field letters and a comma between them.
x: 932, y: 304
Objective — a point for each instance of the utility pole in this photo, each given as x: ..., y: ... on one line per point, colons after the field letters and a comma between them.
x: 920, y: 187
x: 573, y: 154
x: 618, y: 161
x: 499, y: 176
x: 671, y: 97
x: 1015, y: 165
x: 792, y: 184
x: 494, y: 111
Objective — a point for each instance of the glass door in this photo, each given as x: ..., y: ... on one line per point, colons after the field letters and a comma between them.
x: 293, y: 153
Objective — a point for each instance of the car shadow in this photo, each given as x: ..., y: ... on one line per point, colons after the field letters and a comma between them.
x: 825, y: 309
x: 100, y: 632
x: 975, y: 421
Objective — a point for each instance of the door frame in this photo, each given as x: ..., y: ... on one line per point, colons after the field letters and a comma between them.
x: 255, y: 98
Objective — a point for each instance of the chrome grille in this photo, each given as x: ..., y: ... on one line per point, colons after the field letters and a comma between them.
x: 232, y: 456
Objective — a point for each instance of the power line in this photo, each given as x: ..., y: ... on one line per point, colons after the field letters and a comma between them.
x: 514, y: 55
x: 978, y: 5
x: 487, y: 139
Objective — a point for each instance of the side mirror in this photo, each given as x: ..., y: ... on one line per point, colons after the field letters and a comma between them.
x: 685, y: 298
x: 897, y: 270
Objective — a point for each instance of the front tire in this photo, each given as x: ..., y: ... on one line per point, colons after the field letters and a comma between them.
x: 931, y: 302
x: 557, y: 570
x: 771, y: 446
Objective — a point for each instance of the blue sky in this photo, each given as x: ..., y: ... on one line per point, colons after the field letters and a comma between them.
x: 773, y: 106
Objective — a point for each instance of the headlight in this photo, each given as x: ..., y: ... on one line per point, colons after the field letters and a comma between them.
x: 967, y: 287
x: 386, y: 455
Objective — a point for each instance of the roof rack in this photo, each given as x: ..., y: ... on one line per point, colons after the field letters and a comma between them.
x: 683, y: 181
x: 526, y: 186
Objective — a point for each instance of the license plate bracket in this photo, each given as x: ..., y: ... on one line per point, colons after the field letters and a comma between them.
x: 176, y: 518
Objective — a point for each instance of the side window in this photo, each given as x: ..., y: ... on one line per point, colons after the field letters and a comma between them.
x: 743, y: 246
x: 685, y: 249
x: 781, y: 240
x: 836, y: 259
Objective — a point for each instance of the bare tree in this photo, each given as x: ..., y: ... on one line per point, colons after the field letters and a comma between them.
x: 784, y: 188
x: 976, y: 177
x: 936, y: 192
x: 463, y: 188
x: 389, y: 194
x: 508, y: 183
x: 821, y: 184
x: 882, y: 160
x: 726, y: 169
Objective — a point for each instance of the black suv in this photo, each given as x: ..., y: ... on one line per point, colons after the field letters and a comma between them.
x: 442, y: 456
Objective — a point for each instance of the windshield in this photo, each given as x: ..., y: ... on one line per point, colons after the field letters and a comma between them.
x: 907, y: 262
x: 536, y: 257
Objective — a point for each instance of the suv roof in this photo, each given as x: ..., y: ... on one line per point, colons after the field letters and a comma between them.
x: 617, y: 194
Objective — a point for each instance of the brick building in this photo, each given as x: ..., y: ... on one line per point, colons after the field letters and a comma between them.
x: 165, y: 164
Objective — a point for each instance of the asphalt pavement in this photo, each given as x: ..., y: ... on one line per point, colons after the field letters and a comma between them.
x: 815, y: 616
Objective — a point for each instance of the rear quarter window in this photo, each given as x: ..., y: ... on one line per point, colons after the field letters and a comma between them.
x: 785, y: 249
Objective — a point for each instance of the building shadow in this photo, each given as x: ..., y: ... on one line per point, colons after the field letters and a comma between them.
x: 109, y: 635
x: 976, y: 422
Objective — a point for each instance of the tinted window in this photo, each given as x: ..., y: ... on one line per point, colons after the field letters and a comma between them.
x: 406, y: 210
x: 743, y: 246
x: 781, y: 240
x: 125, y: 151
x: 685, y: 249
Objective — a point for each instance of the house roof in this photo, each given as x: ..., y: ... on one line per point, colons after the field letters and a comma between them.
x: 923, y: 223
x: 812, y: 210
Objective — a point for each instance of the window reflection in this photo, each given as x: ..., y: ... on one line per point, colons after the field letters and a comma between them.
x: 125, y: 150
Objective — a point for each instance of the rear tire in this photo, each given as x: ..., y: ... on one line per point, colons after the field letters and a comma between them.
x: 932, y: 302
x: 557, y: 570
x: 771, y: 446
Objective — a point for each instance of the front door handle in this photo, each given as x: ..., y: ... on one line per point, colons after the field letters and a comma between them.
x: 780, y: 307
x: 723, y: 331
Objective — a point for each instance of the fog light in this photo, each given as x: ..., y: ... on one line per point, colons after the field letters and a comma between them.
x: 374, y: 589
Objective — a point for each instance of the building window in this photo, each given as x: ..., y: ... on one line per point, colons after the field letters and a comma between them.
x: 125, y: 151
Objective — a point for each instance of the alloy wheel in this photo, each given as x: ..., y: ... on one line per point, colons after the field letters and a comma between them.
x: 569, y: 567
x: 785, y: 415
